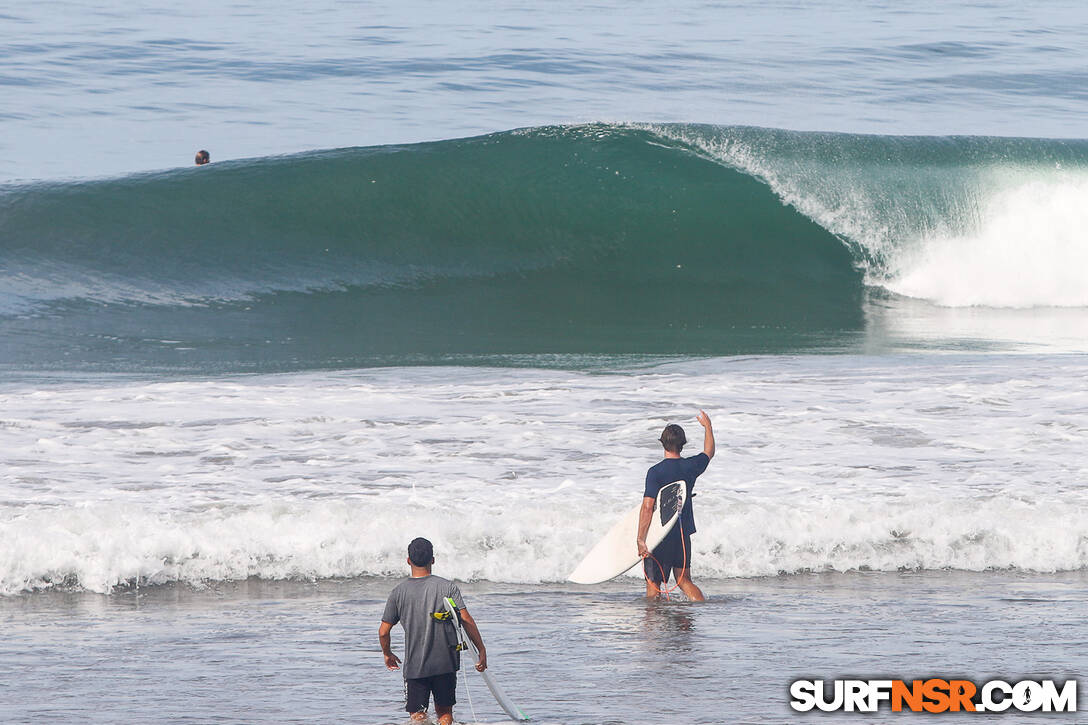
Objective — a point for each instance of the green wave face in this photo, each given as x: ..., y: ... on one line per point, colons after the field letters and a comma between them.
x: 587, y: 240
x: 581, y: 240
x: 956, y: 221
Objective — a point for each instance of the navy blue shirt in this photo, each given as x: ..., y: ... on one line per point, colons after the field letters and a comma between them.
x: 672, y: 470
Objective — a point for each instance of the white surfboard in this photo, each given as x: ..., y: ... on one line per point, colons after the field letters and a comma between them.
x: 617, y: 551
x: 497, y: 692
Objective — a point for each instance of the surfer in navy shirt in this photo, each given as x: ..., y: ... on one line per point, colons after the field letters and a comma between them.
x: 674, y: 552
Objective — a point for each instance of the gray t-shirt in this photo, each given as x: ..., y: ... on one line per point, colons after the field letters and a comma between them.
x: 429, y: 645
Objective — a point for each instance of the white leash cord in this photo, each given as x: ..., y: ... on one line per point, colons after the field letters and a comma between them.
x: 464, y: 671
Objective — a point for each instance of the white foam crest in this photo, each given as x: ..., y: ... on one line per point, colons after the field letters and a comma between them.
x: 924, y: 530
x: 824, y: 463
x: 102, y: 547
x: 1030, y: 250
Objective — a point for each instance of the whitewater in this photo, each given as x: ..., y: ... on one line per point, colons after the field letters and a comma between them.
x: 826, y: 464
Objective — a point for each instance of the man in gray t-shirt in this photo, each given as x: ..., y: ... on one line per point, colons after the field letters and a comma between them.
x: 431, y: 659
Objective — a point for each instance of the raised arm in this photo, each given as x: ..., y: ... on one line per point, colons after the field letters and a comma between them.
x: 708, y: 434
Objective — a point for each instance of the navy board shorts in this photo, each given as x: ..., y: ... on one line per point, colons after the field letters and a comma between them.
x: 672, y: 553
x: 417, y: 693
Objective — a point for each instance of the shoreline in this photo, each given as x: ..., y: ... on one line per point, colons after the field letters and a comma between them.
x: 177, y: 592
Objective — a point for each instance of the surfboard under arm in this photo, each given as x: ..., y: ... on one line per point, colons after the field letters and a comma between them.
x: 617, y: 551
x: 497, y: 692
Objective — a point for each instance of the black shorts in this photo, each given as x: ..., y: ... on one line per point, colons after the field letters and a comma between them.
x: 417, y: 693
x: 672, y: 553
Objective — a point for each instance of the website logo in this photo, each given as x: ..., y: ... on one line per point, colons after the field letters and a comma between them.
x: 934, y: 695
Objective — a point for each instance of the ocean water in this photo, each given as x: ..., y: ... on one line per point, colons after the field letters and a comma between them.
x: 451, y: 271
x: 95, y: 89
x: 306, y: 652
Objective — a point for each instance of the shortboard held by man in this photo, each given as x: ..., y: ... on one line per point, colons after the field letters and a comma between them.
x: 673, y: 554
x: 431, y: 653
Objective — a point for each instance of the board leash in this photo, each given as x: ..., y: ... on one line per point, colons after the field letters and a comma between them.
x: 665, y: 589
x: 468, y: 694
x: 462, y: 646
